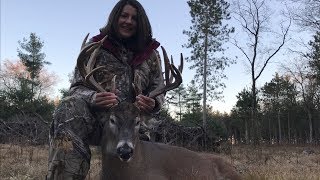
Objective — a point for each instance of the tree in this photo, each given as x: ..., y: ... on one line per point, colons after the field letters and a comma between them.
x: 277, y: 96
x: 26, y: 82
x: 314, y: 56
x: 307, y: 87
x: 176, y: 98
x: 16, y: 89
x: 206, y: 37
x: 33, y: 59
x: 242, y: 112
x: 254, y: 18
x: 193, y: 98
x: 306, y: 14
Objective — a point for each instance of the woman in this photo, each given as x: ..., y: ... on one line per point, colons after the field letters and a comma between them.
x: 127, y: 52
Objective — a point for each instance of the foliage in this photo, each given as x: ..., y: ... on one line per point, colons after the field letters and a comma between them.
x: 215, y: 129
x: 64, y: 92
x: 192, y: 99
x: 314, y: 55
x: 278, y: 93
x: 176, y: 98
x: 206, y: 37
x: 32, y: 58
x: 306, y: 14
x: 25, y: 83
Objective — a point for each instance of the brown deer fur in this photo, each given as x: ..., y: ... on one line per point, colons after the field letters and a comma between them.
x: 154, y: 161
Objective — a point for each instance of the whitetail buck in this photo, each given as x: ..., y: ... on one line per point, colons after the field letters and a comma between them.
x: 125, y: 157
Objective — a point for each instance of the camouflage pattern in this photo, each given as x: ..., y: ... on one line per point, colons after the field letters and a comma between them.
x: 77, y: 123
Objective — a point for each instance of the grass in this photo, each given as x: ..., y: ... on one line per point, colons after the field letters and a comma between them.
x: 18, y: 162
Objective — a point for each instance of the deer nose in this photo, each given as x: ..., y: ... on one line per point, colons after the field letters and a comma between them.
x: 125, y: 152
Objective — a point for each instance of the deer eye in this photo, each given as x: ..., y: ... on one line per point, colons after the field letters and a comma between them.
x: 138, y: 123
x: 112, y: 121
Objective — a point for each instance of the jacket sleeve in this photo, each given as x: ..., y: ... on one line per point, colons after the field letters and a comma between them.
x: 79, y: 89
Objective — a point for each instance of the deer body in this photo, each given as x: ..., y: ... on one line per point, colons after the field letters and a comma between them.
x: 156, y: 161
x: 125, y: 157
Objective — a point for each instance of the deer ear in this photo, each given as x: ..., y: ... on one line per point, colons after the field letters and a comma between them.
x: 150, y: 122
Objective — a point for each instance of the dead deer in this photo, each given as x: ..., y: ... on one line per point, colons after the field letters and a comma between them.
x: 125, y: 157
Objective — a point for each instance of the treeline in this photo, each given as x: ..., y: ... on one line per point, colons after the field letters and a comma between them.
x: 25, y: 108
x: 286, y: 114
x: 287, y: 108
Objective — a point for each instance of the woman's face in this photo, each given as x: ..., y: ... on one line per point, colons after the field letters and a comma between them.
x: 127, y: 22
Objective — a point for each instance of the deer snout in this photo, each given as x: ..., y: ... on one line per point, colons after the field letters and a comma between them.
x: 125, y: 151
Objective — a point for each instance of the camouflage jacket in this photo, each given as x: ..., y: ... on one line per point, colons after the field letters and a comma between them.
x: 123, y: 63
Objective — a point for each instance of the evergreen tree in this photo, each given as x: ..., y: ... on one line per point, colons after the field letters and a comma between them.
x: 31, y: 56
x: 278, y: 95
x: 192, y: 99
x: 314, y: 56
x: 176, y: 98
x: 206, y: 37
x: 241, y: 112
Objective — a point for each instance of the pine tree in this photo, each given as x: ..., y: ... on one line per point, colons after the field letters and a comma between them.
x: 206, y: 37
x: 31, y: 56
x: 176, y: 98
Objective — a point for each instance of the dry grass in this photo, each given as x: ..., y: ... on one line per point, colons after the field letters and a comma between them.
x: 254, y: 163
x: 276, y: 162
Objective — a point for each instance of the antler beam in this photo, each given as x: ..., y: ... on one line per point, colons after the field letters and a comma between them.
x: 173, y: 76
x: 86, y: 68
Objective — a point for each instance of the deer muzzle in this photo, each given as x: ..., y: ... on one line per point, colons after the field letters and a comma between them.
x: 125, y: 151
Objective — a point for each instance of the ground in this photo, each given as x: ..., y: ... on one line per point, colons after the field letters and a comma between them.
x: 19, y: 162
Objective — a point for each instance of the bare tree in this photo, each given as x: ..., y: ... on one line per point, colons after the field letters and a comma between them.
x: 254, y: 17
x: 306, y: 85
x: 306, y: 13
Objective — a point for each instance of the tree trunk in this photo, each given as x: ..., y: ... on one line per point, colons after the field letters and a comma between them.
x: 279, y: 126
x: 204, y: 118
x: 204, y: 111
x: 246, y: 130
x: 253, y: 111
x: 270, y: 131
x: 310, y: 126
x: 289, y: 136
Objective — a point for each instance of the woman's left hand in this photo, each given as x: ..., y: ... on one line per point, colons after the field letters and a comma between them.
x: 145, y: 103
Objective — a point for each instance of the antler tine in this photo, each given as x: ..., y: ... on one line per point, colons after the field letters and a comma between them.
x: 180, y: 67
x: 82, y: 57
x: 86, y: 70
x: 166, y: 66
x: 170, y: 69
x: 171, y: 77
x: 84, y: 41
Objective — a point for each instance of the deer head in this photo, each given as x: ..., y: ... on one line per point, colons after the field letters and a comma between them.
x: 121, y: 131
x: 122, y: 122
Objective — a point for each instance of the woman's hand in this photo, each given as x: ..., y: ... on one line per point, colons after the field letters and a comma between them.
x: 145, y: 103
x: 105, y: 99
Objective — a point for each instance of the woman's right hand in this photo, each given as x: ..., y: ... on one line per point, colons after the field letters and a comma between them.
x: 105, y: 99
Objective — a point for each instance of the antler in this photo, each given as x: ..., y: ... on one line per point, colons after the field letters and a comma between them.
x: 86, y: 67
x: 171, y: 74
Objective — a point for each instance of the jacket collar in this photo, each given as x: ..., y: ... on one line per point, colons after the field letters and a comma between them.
x: 138, y: 58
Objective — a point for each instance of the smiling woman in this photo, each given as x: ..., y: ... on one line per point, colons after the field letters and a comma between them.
x: 127, y: 22
x: 125, y: 53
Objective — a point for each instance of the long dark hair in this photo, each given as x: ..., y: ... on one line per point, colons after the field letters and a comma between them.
x: 143, y: 34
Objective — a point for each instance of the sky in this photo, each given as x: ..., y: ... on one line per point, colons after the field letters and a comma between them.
x: 62, y: 25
